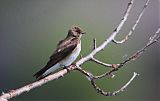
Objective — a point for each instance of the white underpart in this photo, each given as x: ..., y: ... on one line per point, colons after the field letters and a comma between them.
x: 65, y: 62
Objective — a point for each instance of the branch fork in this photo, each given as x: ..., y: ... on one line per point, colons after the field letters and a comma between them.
x: 91, y: 56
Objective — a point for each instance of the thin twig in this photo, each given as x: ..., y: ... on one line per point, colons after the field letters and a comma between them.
x: 135, y: 56
x: 10, y: 95
x: 13, y: 93
x: 125, y: 86
x: 99, y: 90
x: 134, y: 26
x: 100, y: 62
x: 111, y: 37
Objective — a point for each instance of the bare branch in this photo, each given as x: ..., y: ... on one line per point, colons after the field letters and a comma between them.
x: 89, y: 75
x: 27, y: 88
x: 19, y: 91
x: 13, y: 93
x: 99, y: 90
x: 135, y: 56
x: 152, y: 40
x: 125, y: 86
x: 108, y: 40
x: 134, y: 26
x: 101, y: 63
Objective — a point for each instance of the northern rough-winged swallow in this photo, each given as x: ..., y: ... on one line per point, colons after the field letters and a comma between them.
x: 66, y: 53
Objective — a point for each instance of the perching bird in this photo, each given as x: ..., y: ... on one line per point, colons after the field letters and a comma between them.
x: 66, y: 53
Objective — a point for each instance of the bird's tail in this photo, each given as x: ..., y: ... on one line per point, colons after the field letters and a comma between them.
x: 40, y: 74
x: 45, y: 72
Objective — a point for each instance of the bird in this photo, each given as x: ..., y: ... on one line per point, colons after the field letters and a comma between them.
x: 65, y: 54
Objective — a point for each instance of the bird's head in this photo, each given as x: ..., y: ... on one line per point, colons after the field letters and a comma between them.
x: 75, y: 31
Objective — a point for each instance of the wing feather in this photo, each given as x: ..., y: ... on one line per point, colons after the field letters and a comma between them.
x: 63, y: 50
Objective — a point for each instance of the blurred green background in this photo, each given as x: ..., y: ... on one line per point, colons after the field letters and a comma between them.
x: 30, y: 30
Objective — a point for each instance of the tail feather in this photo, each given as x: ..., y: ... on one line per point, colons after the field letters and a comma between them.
x: 39, y: 74
x: 46, y: 71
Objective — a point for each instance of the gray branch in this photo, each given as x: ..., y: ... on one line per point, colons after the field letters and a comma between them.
x: 134, y: 26
x: 153, y: 39
x: 100, y: 62
x: 99, y: 90
x: 90, y: 56
x: 108, y: 40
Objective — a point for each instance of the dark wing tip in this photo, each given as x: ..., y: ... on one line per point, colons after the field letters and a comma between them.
x: 38, y: 74
x: 56, y: 57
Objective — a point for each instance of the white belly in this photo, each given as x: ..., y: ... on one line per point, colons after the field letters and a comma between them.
x: 67, y: 61
x: 71, y: 58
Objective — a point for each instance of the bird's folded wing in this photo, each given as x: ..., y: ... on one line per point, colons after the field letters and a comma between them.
x: 57, y: 56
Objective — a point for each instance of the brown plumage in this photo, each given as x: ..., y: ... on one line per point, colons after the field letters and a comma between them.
x: 64, y: 49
